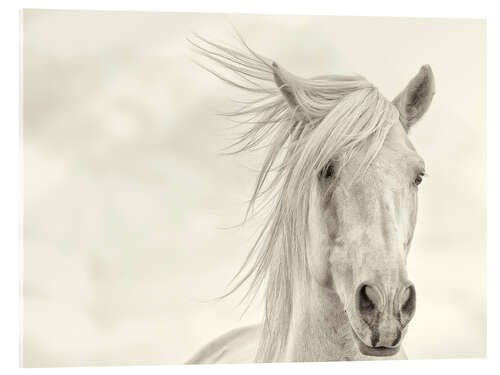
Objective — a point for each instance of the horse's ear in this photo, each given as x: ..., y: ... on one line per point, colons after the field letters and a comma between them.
x: 285, y: 85
x: 416, y: 98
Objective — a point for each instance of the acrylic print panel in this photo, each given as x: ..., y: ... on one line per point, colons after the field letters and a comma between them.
x: 133, y: 220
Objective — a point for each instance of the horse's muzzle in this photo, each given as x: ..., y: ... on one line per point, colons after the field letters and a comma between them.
x: 385, y: 316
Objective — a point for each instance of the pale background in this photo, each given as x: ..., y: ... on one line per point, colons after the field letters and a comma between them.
x: 124, y: 192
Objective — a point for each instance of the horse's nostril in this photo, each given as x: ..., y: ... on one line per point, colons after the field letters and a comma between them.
x: 408, y: 302
x: 368, y: 302
x: 366, y: 298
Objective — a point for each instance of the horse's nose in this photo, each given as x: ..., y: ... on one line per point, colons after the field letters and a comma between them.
x: 372, y: 303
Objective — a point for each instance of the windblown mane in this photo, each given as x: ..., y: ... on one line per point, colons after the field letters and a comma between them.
x: 335, y: 118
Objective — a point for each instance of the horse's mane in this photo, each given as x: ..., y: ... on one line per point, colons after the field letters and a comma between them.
x: 336, y: 117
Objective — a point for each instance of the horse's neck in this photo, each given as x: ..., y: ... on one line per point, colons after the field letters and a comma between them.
x: 320, y: 330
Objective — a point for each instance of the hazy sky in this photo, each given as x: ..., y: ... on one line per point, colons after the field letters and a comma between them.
x: 125, y: 192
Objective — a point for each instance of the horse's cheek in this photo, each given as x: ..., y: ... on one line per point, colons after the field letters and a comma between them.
x: 320, y: 267
x: 341, y: 270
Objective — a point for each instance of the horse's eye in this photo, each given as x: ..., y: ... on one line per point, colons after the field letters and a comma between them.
x: 327, y: 171
x: 418, y: 179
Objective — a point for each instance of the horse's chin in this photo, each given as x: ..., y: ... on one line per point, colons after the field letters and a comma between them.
x: 379, y: 351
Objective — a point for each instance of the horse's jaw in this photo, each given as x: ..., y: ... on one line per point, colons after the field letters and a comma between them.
x: 320, y: 330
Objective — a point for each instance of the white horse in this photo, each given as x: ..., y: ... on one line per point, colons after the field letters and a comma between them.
x: 341, y: 179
